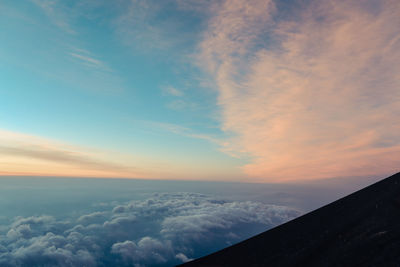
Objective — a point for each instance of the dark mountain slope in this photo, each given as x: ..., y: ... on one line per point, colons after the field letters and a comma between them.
x: 361, y: 229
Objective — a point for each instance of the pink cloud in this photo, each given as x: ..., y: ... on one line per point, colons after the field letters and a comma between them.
x: 323, y: 101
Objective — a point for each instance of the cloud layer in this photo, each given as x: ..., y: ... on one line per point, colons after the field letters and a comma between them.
x: 311, y: 92
x: 164, y: 229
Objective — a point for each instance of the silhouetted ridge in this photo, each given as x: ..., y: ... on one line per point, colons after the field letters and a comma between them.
x: 361, y: 229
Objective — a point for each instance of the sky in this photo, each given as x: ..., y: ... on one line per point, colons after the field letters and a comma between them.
x: 227, y: 90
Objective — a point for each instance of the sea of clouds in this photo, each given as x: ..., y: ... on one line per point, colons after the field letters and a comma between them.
x: 162, y: 230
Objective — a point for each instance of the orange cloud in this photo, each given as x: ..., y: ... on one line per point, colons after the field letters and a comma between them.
x: 23, y: 154
x: 27, y: 155
x: 321, y: 99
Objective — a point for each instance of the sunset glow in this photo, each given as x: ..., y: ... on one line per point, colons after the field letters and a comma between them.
x: 250, y: 91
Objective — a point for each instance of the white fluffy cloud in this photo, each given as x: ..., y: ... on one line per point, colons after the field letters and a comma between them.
x: 164, y: 229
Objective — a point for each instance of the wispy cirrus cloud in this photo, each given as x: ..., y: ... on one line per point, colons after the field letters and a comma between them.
x: 158, y: 26
x: 181, y: 130
x: 87, y: 59
x: 232, y: 31
x: 177, y: 99
x: 309, y: 97
x: 56, y: 14
x: 138, y: 26
x: 172, y: 91
x: 65, y: 18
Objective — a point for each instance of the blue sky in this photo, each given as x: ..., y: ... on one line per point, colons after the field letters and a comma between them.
x: 86, y: 74
x: 218, y: 90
